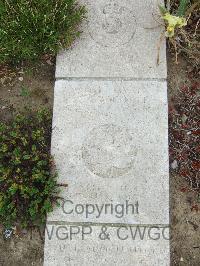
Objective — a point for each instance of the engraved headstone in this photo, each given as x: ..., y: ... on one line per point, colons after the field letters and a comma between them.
x: 109, y: 26
x: 110, y: 141
x: 92, y: 250
x: 110, y: 145
x: 119, y: 39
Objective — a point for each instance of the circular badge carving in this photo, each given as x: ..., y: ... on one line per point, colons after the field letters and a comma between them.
x: 108, y: 151
x: 112, y: 26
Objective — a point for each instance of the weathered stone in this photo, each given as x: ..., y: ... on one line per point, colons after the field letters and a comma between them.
x: 123, y: 248
x: 110, y: 146
x: 119, y: 39
x: 110, y: 141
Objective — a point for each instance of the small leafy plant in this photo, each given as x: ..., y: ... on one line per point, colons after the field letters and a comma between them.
x: 176, y: 20
x: 182, y: 21
x: 27, y: 182
x: 30, y: 29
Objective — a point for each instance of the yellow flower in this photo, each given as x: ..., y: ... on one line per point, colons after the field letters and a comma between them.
x: 170, y: 31
x: 172, y: 23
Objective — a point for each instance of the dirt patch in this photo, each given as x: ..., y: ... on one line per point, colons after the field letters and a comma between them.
x: 25, y: 248
x: 185, y: 224
x: 29, y: 87
x: 185, y: 219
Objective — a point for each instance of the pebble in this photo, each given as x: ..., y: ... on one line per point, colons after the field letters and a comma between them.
x: 184, y: 118
x: 21, y: 78
x: 174, y: 165
x: 49, y: 62
x: 8, y: 233
x: 3, y: 80
x: 24, y: 231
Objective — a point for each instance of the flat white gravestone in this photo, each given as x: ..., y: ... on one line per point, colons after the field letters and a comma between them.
x: 110, y: 141
x: 110, y: 146
x: 121, y: 248
x: 119, y: 39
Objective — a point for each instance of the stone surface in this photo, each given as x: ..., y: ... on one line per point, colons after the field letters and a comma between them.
x: 92, y: 250
x: 110, y: 142
x: 119, y: 39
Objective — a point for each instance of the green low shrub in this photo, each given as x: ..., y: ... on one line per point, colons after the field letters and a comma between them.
x: 27, y: 182
x: 32, y: 28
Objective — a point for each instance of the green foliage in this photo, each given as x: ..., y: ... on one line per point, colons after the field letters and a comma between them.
x: 163, y: 10
x: 24, y: 92
x: 182, y: 8
x: 30, y: 29
x: 27, y: 184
